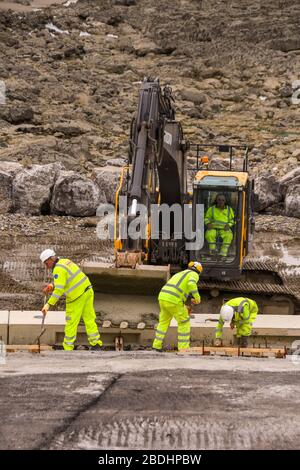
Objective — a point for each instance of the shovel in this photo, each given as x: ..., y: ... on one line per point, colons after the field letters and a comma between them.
x: 38, y: 339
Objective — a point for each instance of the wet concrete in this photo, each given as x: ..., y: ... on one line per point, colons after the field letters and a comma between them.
x: 148, y: 401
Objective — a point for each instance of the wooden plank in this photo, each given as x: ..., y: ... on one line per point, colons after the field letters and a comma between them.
x: 27, y: 347
x: 230, y: 351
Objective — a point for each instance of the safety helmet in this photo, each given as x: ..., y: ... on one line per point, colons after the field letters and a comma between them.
x: 46, y: 254
x: 196, y: 266
x: 226, y: 313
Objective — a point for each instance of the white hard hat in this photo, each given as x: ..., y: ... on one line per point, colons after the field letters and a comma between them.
x: 226, y: 312
x: 46, y: 254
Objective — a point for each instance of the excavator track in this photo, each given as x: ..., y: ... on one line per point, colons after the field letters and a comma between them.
x: 267, y: 282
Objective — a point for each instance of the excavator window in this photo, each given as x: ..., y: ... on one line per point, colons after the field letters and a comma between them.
x: 221, y: 223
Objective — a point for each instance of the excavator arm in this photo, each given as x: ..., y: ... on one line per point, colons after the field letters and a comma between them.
x: 158, y: 172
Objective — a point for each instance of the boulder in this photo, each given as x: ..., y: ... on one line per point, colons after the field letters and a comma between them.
x: 292, y: 201
x: 108, y: 180
x: 32, y: 188
x: 16, y: 114
x: 289, y: 180
x: 267, y: 191
x: 194, y: 95
x: 6, y: 202
x: 12, y: 168
x: 218, y: 163
x: 75, y: 195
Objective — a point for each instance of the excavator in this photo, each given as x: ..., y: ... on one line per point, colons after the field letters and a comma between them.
x: 167, y: 187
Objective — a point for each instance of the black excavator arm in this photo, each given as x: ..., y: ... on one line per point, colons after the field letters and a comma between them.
x: 158, y: 175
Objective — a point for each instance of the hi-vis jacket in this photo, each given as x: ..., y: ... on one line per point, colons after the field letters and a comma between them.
x: 180, y: 286
x: 245, y: 311
x: 69, y: 280
x: 219, y: 217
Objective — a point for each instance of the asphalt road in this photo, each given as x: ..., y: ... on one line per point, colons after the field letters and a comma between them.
x: 133, y: 401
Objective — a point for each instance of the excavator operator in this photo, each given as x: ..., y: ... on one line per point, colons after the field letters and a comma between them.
x: 219, y: 219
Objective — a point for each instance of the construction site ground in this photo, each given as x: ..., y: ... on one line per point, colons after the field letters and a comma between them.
x: 148, y: 400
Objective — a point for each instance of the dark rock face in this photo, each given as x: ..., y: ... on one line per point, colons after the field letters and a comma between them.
x: 72, y: 76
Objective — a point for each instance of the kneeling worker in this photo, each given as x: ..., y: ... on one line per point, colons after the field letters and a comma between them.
x: 171, y: 302
x: 70, y: 281
x: 241, y: 313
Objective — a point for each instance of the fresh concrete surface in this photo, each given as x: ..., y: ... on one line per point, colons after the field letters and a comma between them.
x: 24, y: 327
x: 148, y: 400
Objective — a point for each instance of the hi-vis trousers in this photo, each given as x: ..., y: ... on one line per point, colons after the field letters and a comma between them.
x: 180, y: 313
x: 81, y: 307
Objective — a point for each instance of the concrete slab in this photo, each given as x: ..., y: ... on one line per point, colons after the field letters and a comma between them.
x: 4, y: 314
x: 25, y: 326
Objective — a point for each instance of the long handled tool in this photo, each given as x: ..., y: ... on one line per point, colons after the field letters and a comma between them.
x: 38, y: 339
x: 43, y: 329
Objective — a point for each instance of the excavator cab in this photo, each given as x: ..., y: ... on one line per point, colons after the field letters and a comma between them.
x: 225, y: 198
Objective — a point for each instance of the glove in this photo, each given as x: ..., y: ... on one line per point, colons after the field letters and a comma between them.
x: 232, y: 326
x: 218, y: 342
x: 45, y: 309
x: 48, y: 289
x: 195, y: 302
x: 189, y: 309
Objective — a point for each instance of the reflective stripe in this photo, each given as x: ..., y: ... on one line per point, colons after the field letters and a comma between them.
x: 182, y: 277
x: 76, y: 285
x: 183, y: 334
x: 70, y: 337
x: 158, y: 339
x: 219, y: 221
x: 56, y: 296
x: 175, y: 287
x: 192, y: 281
x: 69, y: 343
x: 58, y: 286
x: 169, y: 292
x: 64, y: 267
x: 161, y: 332
x: 94, y: 334
x: 182, y: 341
x: 73, y: 276
x: 194, y: 291
x: 94, y: 339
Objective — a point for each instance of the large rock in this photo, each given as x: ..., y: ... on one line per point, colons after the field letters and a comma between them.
x: 108, y: 180
x: 194, y: 95
x: 12, y: 168
x: 292, y: 201
x: 75, y: 195
x: 32, y: 188
x: 289, y: 180
x: 268, y: 192
x: 16, y: 114
x: 6, y: 203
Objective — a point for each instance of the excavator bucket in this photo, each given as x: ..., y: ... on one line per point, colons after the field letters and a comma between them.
x: 126, y: 293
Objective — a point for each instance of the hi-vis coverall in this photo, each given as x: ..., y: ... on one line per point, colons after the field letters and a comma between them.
x: 171, y: 302
x: 70, y: 281
x: 219, y: 218
x: 244, y: 316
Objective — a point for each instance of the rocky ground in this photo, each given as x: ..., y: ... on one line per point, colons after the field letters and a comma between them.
x: 71, y: 75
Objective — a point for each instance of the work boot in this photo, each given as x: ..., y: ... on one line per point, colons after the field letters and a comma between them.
x: 97, y: 347
x: 157, y: 350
